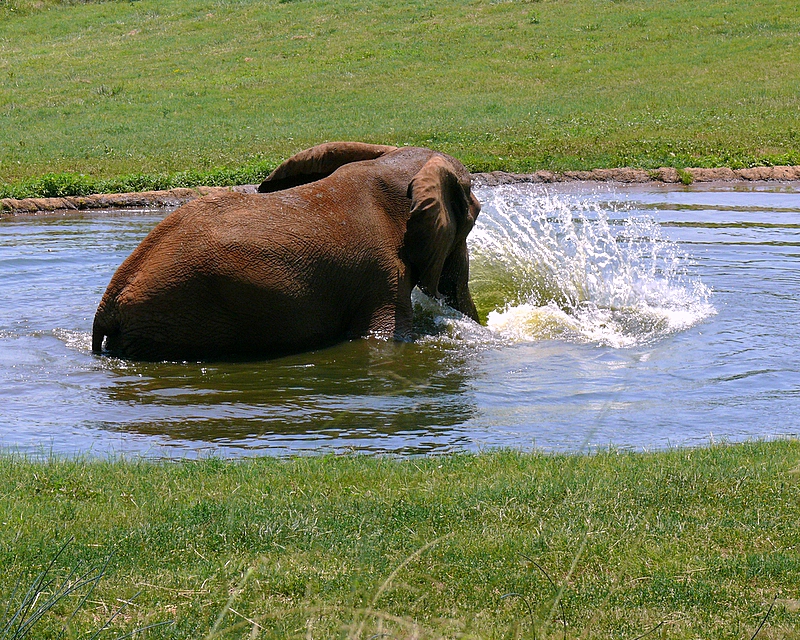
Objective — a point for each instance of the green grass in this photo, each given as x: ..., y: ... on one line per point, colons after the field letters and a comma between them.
x: 139, y: 92
x: 131, y: 95
x: 496, y: 545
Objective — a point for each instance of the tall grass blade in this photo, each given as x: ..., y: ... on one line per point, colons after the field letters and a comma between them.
x: 21, y: 618
x: 235, y: 594
x: 764, y: 619
x: 386, y: 583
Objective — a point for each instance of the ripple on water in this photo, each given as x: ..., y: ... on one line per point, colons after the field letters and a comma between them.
x: 637, y: 317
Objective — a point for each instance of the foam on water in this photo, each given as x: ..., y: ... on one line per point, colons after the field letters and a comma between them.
x: 551, y: 266
x: 436, y: 322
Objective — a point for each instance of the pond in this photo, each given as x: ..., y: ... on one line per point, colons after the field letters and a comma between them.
x: 636, y: 317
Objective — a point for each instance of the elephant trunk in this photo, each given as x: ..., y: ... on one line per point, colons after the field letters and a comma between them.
x: 454, y: 283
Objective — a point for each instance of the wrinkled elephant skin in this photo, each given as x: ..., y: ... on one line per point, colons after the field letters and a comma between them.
x: 329, y: 249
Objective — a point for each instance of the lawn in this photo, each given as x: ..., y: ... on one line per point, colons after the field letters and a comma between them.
x: 172, y: 92
x: 699, y: 543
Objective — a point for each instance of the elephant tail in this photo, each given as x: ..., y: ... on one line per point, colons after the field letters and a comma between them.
x: 106, y: 323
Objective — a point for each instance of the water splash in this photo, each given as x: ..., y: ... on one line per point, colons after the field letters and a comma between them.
x: 551, y: 266
x: 77, y: 340
x: 436, y: 323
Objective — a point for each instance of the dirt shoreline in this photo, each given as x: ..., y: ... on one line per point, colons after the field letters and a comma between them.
x: 175, y: 197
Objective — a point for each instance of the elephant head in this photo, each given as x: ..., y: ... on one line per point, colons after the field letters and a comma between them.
x: 442, y: 209
x: 443, y: 212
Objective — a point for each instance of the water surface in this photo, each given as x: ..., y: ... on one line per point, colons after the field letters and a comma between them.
x: 638, y: 317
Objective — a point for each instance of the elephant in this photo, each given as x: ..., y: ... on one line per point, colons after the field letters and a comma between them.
x: 328, y: 249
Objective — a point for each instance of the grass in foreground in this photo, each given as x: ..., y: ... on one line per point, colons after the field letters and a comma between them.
x: 161, y: 92
x: 699, y: 543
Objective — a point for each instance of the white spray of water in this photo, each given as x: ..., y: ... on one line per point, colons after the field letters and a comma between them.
x: 557, y: 268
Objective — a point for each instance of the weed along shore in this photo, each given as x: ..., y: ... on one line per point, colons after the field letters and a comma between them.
x: 699, y: 543
x: 181, y: 195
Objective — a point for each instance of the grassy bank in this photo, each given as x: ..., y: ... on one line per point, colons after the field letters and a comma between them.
x: 497, y: 545
x: 151, y: 93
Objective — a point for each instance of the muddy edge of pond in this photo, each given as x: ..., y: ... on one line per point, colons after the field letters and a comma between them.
x: 176, y: 197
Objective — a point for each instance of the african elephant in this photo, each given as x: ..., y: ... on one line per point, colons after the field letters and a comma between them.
x: 329, y: 249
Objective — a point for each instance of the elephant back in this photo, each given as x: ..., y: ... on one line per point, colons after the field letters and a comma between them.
x: 319, y: 162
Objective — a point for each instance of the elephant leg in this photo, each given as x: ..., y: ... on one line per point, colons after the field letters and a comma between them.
x: 404, y: 320
x: 396, y: 320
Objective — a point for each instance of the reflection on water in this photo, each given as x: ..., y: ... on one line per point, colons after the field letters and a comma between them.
x: 642, y: 317
x: 357, y: 390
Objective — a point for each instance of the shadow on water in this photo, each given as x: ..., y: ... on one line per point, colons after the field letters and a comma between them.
x: 356, y: 390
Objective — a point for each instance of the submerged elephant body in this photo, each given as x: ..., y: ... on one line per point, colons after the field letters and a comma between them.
x: 330, y: 250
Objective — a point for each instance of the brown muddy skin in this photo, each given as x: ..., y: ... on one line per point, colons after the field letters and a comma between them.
x: 241, y: 276
x: 176, y: 197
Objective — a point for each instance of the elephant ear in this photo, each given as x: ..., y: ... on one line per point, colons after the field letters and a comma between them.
x: 318, y: 162
x: 438, y: 208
